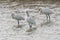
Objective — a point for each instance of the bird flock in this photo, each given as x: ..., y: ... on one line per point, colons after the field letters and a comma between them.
x: 32, y: 21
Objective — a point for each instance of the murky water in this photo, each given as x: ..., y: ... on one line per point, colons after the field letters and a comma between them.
x: 43, y: 31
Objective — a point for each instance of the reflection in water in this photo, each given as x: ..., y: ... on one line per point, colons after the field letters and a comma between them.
x: 18, y: 26
x: 32, y: 29
x: 47, y: 23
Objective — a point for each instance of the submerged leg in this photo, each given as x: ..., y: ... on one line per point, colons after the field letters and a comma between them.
x: 18, y: 23
x: 30, y: 29
x: 30, y: 26
x: 47, y: 18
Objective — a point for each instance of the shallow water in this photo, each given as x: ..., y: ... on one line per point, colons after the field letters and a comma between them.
x: 44, y: 31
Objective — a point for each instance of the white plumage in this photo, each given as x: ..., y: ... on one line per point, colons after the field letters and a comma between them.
x: 47, y: 12
x: 17, y: 17
x: 30, y: 20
